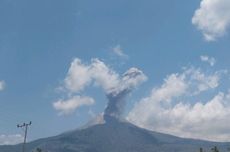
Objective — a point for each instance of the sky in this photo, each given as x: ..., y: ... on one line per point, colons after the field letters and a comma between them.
x: 59, y: 59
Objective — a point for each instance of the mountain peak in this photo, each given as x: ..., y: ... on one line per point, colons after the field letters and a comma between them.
x: 115, y: 136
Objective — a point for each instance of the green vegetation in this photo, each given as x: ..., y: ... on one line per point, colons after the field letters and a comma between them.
x: 214, y: 149
x: 38, y: 150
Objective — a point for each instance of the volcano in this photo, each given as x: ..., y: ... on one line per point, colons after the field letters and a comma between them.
x: 115, y: 136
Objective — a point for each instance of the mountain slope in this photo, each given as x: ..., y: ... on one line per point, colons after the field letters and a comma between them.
x: 116, y: 136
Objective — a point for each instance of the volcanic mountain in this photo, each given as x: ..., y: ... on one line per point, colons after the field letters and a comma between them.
x: 115, y: 136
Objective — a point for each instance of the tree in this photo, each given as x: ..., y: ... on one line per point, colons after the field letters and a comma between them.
x: 215, y: 149
x: 201, y: 149
x: 38, y: 150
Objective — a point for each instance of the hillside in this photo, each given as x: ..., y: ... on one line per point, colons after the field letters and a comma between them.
x: 116, y: 136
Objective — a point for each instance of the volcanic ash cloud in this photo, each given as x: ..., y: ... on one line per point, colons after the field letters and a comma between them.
x: 97, y: 73
x: 116, y: 98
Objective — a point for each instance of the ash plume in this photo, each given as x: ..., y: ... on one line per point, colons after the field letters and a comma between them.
x: 97, y: 73
x: 116, y: 98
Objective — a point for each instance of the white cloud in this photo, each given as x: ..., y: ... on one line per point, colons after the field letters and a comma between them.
x: 2, y: 85
x: 77, y: 77
x: 212, y: 18
x: 201, y: 120
x: 69, y: 106
x: 168, y: 109
x: 11, y: 139
x: 210, y: 60
x: 97, y: 73
x: 119, y: 51
x: 174, y: 85
x: 104, y: 76
x: 80, y: 75
x: 199, y: 81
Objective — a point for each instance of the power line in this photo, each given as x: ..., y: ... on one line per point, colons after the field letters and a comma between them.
x: 24, y: 125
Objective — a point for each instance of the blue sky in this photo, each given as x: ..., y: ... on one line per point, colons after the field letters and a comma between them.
x: 40, y: 39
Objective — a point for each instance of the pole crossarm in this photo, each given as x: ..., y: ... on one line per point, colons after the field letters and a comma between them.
x: 24, y: 125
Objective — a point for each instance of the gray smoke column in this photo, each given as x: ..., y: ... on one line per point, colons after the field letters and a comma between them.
x: 116, y: 96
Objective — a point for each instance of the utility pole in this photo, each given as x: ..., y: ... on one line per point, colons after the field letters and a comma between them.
x: 25, y: 127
